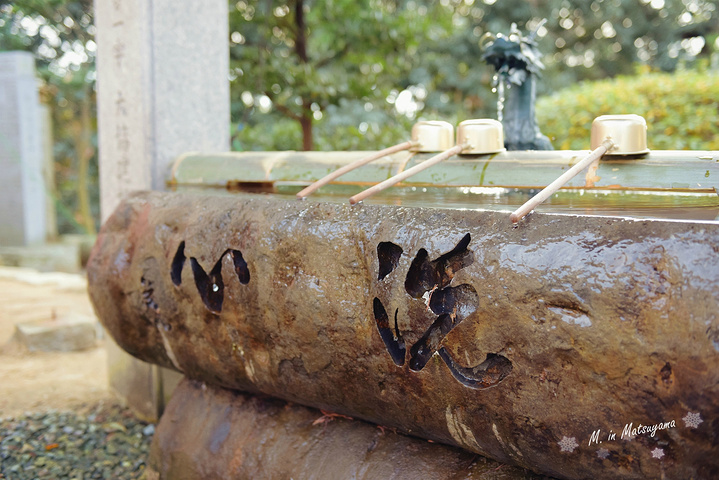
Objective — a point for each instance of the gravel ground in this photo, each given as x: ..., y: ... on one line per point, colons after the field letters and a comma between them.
x: 107, y: 442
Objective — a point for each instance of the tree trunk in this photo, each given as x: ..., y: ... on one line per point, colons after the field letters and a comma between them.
x: 301, y: 50
x: 306, y: 122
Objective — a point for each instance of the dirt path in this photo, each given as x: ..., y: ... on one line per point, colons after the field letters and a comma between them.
x: 37, y: 382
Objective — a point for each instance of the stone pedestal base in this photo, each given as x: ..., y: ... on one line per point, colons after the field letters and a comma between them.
x: 209, y: 432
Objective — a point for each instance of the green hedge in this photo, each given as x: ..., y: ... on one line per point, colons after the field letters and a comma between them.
x: 681, y: 109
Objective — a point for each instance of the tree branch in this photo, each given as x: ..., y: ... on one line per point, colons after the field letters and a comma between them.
x: 338, y: 54
x: 287, y: 112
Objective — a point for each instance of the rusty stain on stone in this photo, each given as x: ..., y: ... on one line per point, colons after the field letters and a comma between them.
x: 539, y: 335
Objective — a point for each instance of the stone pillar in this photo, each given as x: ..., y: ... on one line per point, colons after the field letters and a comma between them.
x: 22, y: 186
x: 163, y: 90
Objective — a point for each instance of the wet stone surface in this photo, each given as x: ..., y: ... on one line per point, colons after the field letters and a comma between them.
x: 108, y: 442
x: 536, y: 346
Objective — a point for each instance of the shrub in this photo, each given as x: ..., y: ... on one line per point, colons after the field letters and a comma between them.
x: 681, y: 109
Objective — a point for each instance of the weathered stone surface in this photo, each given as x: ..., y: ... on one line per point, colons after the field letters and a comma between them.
x: 209, y: 432
x: 68, y: 333
x: 404, y: 317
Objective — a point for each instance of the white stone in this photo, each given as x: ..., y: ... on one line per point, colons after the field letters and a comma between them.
x: 23, y: 199
x: 163, y: 89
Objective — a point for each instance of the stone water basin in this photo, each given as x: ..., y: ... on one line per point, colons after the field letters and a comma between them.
x: 545, y: 346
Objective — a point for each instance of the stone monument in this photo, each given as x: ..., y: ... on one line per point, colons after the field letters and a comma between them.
x: 22, y: 184
x: 163, y: 90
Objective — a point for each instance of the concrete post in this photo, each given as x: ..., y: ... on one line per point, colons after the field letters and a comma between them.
x: 163, y: 90
x: 22, y: 185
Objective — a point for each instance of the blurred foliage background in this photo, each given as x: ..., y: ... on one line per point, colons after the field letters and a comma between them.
x: 356, y: 74
x: 60, y: 35
x: 681, y: 108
